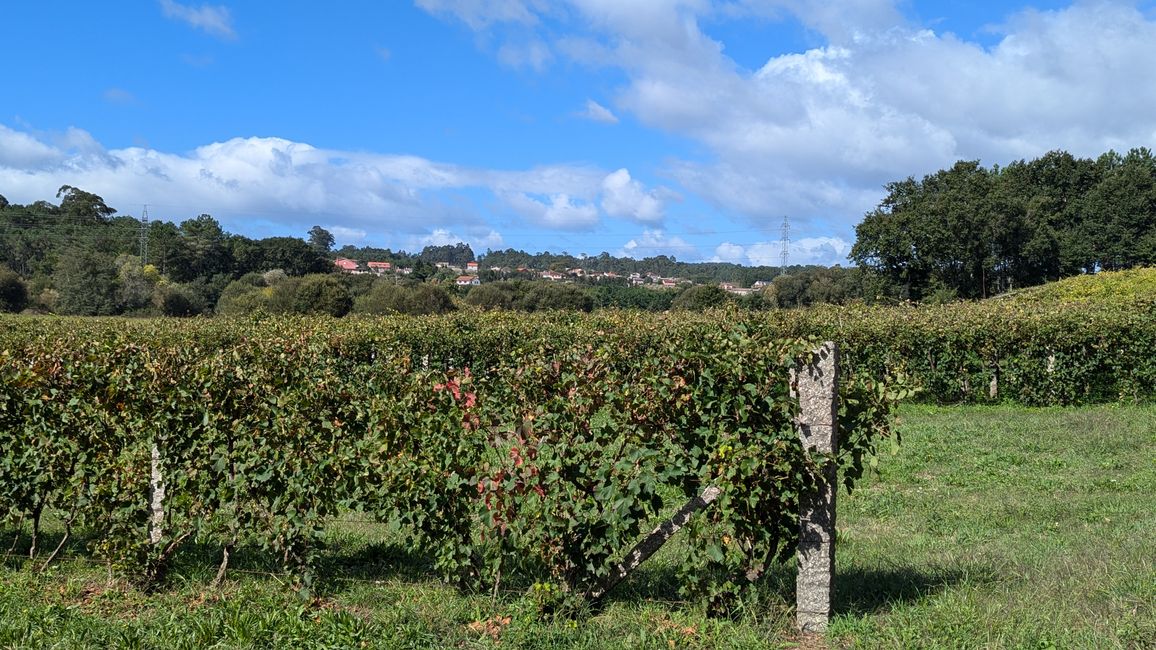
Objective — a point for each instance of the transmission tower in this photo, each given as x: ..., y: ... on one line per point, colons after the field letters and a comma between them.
x: 144, y: 235
x: 786, y: 243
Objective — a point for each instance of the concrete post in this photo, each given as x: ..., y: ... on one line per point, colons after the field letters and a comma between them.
x: 816, y: 387
x: 156, y: 498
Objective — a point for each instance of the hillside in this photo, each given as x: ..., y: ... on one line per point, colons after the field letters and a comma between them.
x: 1106, y: 286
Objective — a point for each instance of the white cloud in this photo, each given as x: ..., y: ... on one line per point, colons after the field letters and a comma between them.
x: 598, y: 113
x: 344, y: 235
x: 825, y: 251
x: 652, y: 243
x: 533, y: 54
x: 728, y: 252
x: 212, y: 19
x: 817, y: 133
x: 293, y: 185
x: 480, y: 14
x: 485, y: 239
x: 559, y: 211
x: 623, y: 196
x: 439, y: 237
x: 22, y: 151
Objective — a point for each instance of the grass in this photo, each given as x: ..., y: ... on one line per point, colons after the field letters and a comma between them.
x: 993, y: 527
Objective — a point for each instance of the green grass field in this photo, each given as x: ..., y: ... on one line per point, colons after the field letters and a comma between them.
x: 993, y: 527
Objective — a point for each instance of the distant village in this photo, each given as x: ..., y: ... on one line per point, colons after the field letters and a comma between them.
x: 470, y: 275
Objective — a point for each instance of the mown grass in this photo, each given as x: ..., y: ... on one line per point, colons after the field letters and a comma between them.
x: 993, y: 527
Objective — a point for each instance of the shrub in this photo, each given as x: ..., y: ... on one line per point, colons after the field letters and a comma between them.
x: 322, y: 294
x: 13, y: 291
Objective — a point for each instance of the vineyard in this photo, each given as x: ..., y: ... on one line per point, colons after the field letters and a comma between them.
x: 503, y: 447
x: 529, y: 450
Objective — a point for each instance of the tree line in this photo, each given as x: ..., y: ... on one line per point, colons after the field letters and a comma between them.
x: 965, y: 232
x: 80, y: 257
x: 972, y: 232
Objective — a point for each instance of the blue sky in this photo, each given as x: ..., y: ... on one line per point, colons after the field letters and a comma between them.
x: 678, y: 127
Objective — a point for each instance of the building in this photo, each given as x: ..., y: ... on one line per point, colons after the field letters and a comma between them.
x: 347, y: 265
x: 471, y: 267
x: 467, y: 281
x: 380, y: 267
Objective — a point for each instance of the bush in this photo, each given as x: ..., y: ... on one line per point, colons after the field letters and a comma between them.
x: 543, y: 296
x: 491, y: 296
x: 386, y: 297
x: 177, y: 300
x: 322, y: 294
x: 13, y: 291
x: 701, y: 297
x: 242, y: 297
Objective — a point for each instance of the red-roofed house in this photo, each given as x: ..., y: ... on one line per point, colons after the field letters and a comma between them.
x: 468, y: 281
x: 471, y: 267
x: 347, y: 265
x: 380, y: 267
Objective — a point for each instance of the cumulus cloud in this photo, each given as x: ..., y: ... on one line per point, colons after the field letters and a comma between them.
x: 652, y: 243
x: 485, y: 239
x: 826, y: 251
x: 817, y: 133
x: 211, y: 19
x: 22, y: 151
x: 623, y: 196
x: 598, y: 113
x: 558, y: 211
x: 296, y: 185
x: 728, y: 252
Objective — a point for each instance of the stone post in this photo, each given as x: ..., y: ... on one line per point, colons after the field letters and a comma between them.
x: 156, y: 498
x: 816, y: 387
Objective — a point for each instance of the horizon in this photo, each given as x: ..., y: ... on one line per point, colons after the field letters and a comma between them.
x: 683, y: 128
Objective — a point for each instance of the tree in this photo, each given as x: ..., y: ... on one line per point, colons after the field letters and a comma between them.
x: 1121, y: 211
x: 455, y: 254
x: 290, y: 254
x: 208, y: 247
x: 87, y: 283
x: 78, y: 203
x: 939, y: 229
x: 135, y: 283
x: 320, y: 239
x: 169, y: 250
x: 13, y: 291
